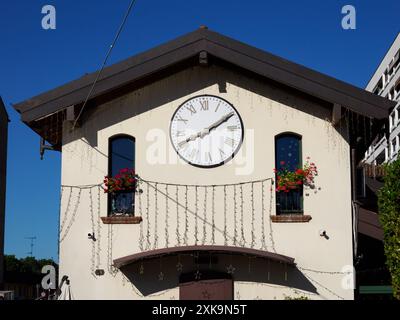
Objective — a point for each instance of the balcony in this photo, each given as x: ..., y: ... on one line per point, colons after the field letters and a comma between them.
x: 377, y: 153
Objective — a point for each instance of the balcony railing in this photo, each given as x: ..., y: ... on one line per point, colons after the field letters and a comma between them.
x: 290, y: 202
x: 374, y: 150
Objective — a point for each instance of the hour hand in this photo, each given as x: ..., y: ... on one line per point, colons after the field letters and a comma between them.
x: 193, y: 137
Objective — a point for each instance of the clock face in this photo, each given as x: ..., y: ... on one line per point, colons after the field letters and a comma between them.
x: 206, y: 131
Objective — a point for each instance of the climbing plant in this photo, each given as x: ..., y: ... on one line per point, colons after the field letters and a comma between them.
x: 389, y: 215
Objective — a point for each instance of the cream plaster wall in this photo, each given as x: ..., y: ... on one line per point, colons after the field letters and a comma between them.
x: 266, y: 111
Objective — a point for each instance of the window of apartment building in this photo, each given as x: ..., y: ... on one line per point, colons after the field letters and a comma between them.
x: 378, y: 87
x: 288, y: 154
x: 393, y: 147
x: 121, y: 156
x: 397, y: 90
x: 391, y: 121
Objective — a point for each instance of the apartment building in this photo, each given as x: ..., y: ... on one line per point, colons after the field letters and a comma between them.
x: 386, y: 83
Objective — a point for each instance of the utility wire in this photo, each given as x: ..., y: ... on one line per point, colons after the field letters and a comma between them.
x: 128, y: 11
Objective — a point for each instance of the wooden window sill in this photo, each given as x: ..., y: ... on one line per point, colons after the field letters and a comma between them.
x: 122, y: 220
x: 290, y: 218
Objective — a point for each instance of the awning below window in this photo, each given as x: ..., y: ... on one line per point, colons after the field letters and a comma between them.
x: 150, y: 254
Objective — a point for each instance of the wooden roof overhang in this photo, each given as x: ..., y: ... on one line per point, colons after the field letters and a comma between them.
x: 46, y: 112
x: 209, y: 249
x: 369, y: 224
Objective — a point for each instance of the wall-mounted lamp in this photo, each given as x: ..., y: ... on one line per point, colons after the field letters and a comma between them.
x: 323, y: 233
x: 91, y: 236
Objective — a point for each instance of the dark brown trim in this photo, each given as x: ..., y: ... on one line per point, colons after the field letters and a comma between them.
x: 188, y: 46
x: 368, y: 224
x: 120, y: 262
x: 291, y: 218
x: 121, y: 220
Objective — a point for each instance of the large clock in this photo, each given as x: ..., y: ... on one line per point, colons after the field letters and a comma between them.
x: 206, y: 131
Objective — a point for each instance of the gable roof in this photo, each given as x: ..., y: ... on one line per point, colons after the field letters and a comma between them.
x: 187, y: 47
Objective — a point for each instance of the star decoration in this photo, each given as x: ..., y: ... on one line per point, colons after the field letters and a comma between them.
x: 161, y: 276
x: 197, y: 275
x: 231, y: 269
x: 206, y: 295
x: 141, y: 269
x: 179, y: 266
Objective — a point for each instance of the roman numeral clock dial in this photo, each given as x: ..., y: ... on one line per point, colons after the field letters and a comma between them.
x: 206, y: 131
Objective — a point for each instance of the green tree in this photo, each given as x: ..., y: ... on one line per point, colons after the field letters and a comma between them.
x: 389, y: 215
x: 26, y: 265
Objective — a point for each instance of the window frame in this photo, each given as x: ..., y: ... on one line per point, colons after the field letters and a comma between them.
x: 109, y: 169
x: 300, y: 157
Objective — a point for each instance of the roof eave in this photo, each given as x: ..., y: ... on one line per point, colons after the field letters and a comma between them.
x: 232, y: 51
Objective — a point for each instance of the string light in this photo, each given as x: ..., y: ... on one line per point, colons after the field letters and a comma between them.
x: 225, y: 224
x: 179, y: 266
x: 98, y: 240
x: 263, y: 213
x: 141, y: 269
x: 204, y: 217
x: 166, y: 217
x: 212, y: 216
x: 324, y: 272
x: 148, y: 217
x: 155, y: 244
x: 161, y: 274
x: 230, y: 269
x: 196, y: 216
x: 178, y: 238
x: 243, y: 241
x: 323, y: 287
x: 197, y: 274
x: 234, y: 216
x: 253, y: 240
x: 271, y: 235
x: 285, y: 270
x: 194, y: 213
x: 185, y: 237
x: 93, y: 244
x: 73, y: 216
x: 141, y: 236
x: 65, y: 215
x: 111, y: 269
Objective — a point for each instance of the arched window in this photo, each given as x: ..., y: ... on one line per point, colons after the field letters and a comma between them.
x: 121, y: 156
x: 288, y: 156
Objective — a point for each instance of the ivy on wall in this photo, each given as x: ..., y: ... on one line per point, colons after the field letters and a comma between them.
x: 389, y: 215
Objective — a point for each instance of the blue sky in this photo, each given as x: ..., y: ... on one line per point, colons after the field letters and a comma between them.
x: 33, y: 60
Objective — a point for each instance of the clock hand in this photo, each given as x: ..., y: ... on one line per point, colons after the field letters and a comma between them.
x: 220, y: 121
x: 205, y: 131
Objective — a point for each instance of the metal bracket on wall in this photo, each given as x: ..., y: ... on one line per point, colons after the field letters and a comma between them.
x: 44, y: 147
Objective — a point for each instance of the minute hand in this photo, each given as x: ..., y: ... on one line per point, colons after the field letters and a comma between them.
x: 220, y: 121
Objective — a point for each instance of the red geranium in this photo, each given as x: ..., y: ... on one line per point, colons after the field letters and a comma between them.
x: 292, y: 179
x: 125, y: 180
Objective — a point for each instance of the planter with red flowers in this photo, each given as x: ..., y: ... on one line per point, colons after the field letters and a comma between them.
x: 121, y: 189
x: 287, y: 180
x: 124, y: 181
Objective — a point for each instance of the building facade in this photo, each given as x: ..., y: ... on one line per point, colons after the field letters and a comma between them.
x: 203, y: 121
x: 3, y: 162
x: 386, y: 83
